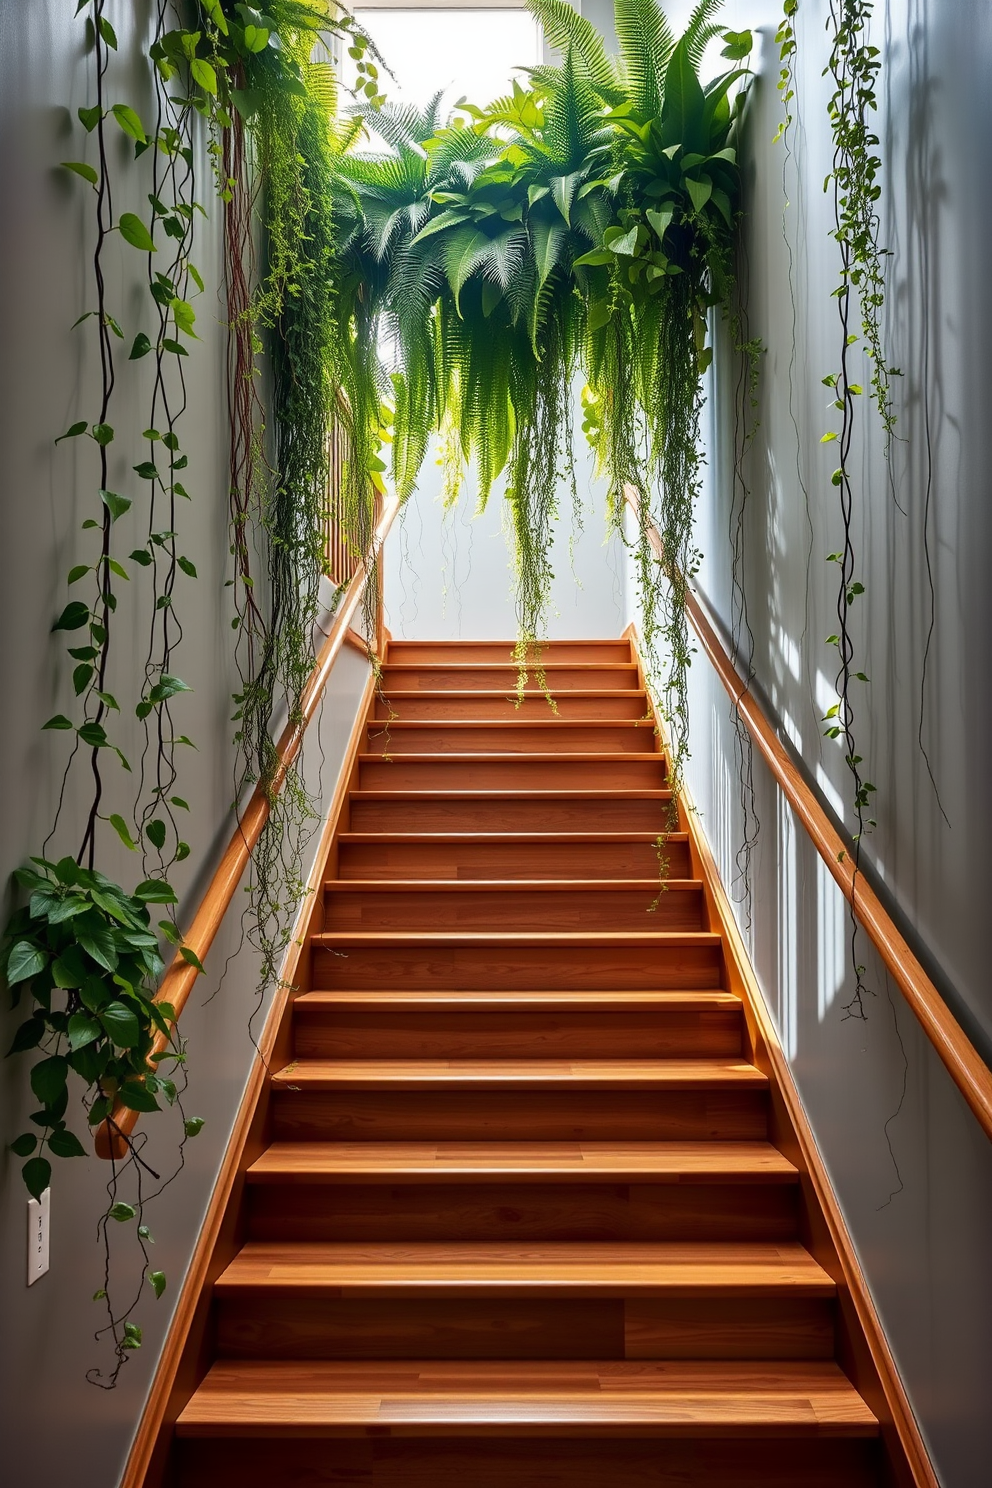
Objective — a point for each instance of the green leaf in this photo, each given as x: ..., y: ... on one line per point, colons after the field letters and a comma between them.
x: 79, y: 571
x: 256, y: 38
x: 93, y: 734
x: 140, y: 347
x: 204, y: 74
x: 699, y: 191
x: 120, y: 827
x: 146, y: 470
x: 129, y: 122
x: 48, y: 1079
x: 136, y: 1098
x: 83, y: 1029
x: 73, y: 431
x: 156, y: 1280
x: 121, y: 1212
x: 89, y: 117
x: 99, y: 944
x: 108, y: 33
x: 187, y: 567
x: 81, y: 677
x: 176, y: 347
x: 58, y: 722
x: 682, y: 113
x: 23, y: 1146
x: 66, y: 1144
x: 103, y: 434
x: 121, y: 1025
x: 73, y: 617
x: 134, y: 231
x: 80, y: 168
x: 185, y: 316
x: 28, y: 1036
x: 193, y: 1125
x: 155, y: 832
x: 155, y: 891
x: 168, y: 686
x: 191, y: 958
x: 116, y: 505
x: 37, y: 1175
x: 25, y: 961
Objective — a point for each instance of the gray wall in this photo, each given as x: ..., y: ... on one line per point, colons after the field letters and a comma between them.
x: 912, y: 1170
x: 55, y: 1427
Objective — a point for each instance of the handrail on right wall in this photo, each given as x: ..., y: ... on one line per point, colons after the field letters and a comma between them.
x: 961, y: 1059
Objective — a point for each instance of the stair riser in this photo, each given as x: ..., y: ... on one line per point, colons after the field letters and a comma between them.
x: 439, y: 678
x: 546, y: 737
x: 542, y: 814
x: 534, y: 707
x: 451, y: 911
x: 501, y: 1114
x: 467, y: 1034
x: 507, y: 967
x: 522, y: 1211
x: 635, y: 772
x: 456, y: 1324
x: 438, y: 652
x: 526, y: 1462
x: 487, y: 860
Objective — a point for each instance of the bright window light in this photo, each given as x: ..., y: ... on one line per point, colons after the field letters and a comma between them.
x: 464, y: 53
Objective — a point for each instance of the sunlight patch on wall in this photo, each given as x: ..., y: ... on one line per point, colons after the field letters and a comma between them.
x: 787, y: 980
x: 831, y: 922
x: 462, y: 53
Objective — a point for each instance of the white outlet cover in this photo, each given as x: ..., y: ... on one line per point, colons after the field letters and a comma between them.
x: 39, y: 1215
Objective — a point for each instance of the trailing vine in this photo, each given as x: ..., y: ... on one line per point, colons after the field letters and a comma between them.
x: 84, y: 948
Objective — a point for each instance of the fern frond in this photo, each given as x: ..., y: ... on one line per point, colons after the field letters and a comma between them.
x: 646, y: 45
x: 569, y: 31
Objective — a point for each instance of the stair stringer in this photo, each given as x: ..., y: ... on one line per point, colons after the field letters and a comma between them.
x: 862, y: 1347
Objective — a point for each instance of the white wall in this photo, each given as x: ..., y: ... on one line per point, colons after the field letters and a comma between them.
x: 56, y: 1429
x: 913, y: 1171
x: 449, y: 572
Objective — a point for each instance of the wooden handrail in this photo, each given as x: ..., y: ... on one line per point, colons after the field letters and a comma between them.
x: 961, y: 1059
x: 179, y: 980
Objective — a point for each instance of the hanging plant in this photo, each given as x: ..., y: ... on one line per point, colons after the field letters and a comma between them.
x: 584, y: 223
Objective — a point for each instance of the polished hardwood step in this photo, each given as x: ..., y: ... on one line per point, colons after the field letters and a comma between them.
x: 509, y: 1074
x: 517, y: 855
x: 697, y: 1268
x: 547, y: 771
x: 386, y: 1461
x: 473, y: 1025
x: 548, y: 735
x: 578, y: 703
x: 308, y: 1191
x: 488, y: 811
x: 576, y: 652
x: 563, y: 961
x: 686, y: 1399
x: 558, y: 677
x: 683, y: 1163
x: 586, y: 904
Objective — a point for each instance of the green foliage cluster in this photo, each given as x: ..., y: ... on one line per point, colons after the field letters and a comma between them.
x: 582, y: 224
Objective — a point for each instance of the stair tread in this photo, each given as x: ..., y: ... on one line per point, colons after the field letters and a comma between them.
x: 385, y: 725
x: 315, y: 1074
x: 261, y: 1396
x: 601, y: 1266
x: 644, y: 938
x: 348, y: 839
x: 516, y: 885
x: 501, y: 756
x: 754, y: 1162
x: 319, y: 1001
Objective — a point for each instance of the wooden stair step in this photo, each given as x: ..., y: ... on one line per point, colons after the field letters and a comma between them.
x: 526, y: 1162
x: 565, y: 960
x: 468, y: 677
x: 425, y: 1025
x: 660, y: 1269
x: 545, y: 999
x: 580, y: 652
x: 467, y: 811
x: 260, y: 1397
x: 580, y: 703
x: 396, y: 736
x: 468, y: 856
x: 625, y: 1074
x: 412, y: 772
x: 538, y: 904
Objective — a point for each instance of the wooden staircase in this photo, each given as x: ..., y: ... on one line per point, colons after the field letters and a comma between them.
x: 522, y: 1197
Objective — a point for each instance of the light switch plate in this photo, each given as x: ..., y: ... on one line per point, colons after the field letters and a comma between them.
x: 39, y: 1215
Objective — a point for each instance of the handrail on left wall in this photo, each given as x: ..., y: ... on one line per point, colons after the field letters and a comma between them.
x: 177, y: 984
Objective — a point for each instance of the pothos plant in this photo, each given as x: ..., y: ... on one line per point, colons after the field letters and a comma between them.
x: 583, y: 224
x: 853, y: 184
x: 83, y: 948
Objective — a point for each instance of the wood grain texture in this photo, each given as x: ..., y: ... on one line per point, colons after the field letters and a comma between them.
x: 579, y: 703
x: 507, y: 855
x: 608, y: 676
x: 582, y: 904
x: 474, y: 811
x: 548, y: 735
x: 500, y: 771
